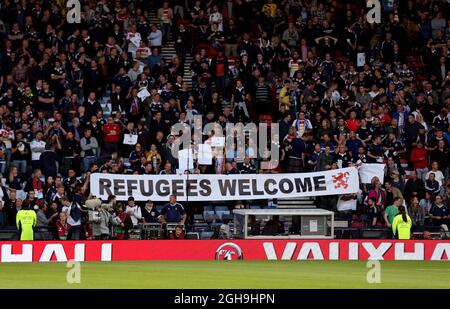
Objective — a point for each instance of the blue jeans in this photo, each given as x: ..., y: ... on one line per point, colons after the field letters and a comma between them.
x: 21, y: 165
x: 87, y: 162
x: 2, y: 167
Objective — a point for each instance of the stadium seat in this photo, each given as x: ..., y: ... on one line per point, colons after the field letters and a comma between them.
x: 220, y: 212
x: 198, y: 227
x: 221, y: 208
x: 192, y: 235
x: 199, y: 217
x: 159, y: 207
x: 206, y: 234
x: 255, y: 207
x: 208, y: 208
x: 208, y: 216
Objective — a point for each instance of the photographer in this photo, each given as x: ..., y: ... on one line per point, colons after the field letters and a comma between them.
x: 100, y: 218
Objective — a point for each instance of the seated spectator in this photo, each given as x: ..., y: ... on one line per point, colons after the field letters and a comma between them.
x: 178, y: 233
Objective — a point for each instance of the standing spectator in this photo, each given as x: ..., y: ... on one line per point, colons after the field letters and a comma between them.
x: 149, y: 213
x: 155, y: 37
x: 62, y: 227
x: 419, y: 157
x: 134, y: 211
x: 165, y: 16
x: 417, y: 213
x: 89, y: 148
x: 173, y: 212
x: 111, y: 133
x: 439, y: 213
x: 122, y: 222
x: 391, y: 211
x: 74, y: 213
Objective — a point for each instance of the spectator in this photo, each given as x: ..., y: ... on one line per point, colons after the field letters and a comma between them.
x: 417, y: 213
x: 439, y: 213
x: 391, y: 211
x: 62, y: 227
x: 373, y: 213
x: 173, y: 212
x: 89, y: 147
x: 149, y: 213
x: 419, y: 157
x: 74, y: 213
x: 178, y: 234
x: 134, y: 212
x: 432, y: 185
x: 122, y: 222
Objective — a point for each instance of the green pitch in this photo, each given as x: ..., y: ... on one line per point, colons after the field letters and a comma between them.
x: 227, y: 274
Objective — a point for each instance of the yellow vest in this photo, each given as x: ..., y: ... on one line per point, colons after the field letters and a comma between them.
x: 401, y: 228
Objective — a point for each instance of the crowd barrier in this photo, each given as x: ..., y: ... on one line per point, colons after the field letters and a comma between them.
x: 130, y: 250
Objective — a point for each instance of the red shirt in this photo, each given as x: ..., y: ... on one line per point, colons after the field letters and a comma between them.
x: 62, y: 230
x: 112, y: 133
x: 353, y: 124
x: 419, y: 157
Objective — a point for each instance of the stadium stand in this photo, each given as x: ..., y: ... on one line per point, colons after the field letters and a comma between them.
x: 343, y: 91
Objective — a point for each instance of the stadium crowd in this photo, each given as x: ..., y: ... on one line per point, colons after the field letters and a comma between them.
x: 343, y: 91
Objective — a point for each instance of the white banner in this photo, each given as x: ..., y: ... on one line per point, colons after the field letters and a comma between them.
x: 224, y: 187
x: 369, y: 170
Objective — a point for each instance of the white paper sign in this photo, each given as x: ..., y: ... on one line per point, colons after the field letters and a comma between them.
x: 313, y: 226
x: 183, y: 156
x: 130, y: 139
x: 218, y: 141
x: 369, y: 170
x: 360, y: 59
x: 204, y: 154
x: 143, y: 94
x: 136, y: 41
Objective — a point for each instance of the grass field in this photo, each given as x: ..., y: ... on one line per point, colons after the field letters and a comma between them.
x: 227, y: 274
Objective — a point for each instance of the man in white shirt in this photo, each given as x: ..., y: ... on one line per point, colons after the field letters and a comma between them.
x: 301, y: 124
x: 74, y: 213
x: 438, y: 175
x: 155, y: 37
x: 37, y: 147
x: 134, y: 211
x: 134, y: 40
x: 216, y: 19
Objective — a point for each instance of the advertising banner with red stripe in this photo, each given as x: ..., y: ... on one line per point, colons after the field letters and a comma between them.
x: 135, y: 250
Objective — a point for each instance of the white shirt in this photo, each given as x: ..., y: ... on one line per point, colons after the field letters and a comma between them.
x: 70, y: 220
x: 437, y: 175
x: 155, y: 38
x: 136, y: 213
x: 135, y: 41
x: 37, y: 147
x: 217, y: 17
